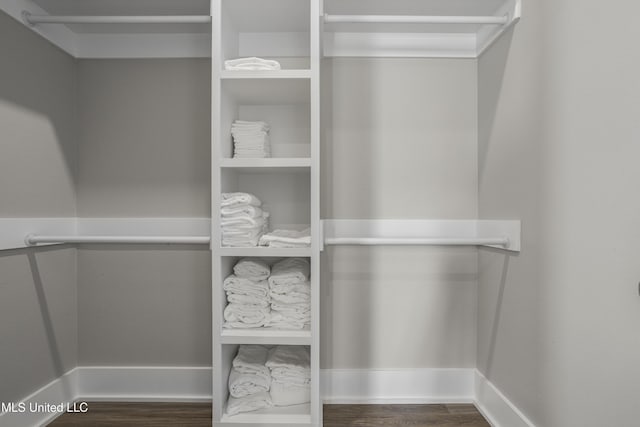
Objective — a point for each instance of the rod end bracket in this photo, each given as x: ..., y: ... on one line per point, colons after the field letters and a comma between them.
x: 28, y: 241
x: 26, y: 18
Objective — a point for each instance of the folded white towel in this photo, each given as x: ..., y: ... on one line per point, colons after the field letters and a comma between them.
x: 241, y: 384
x: 245, y: 316
x: 251, y: 359
x: 289, y: 271
x: 287, y: 238
x: 240, y: 242
x: 251, y: 402
x: 298, y: 311
x: 246, y: 286
x: 291, y: 293
x: 241, y: 222
x: 279, y: 321
x: 283, y: 394
x: 230, y: 199
x: 252, y: 268
x: 241, y: 211
x: 248, y: 300
x: 293, y: 358
x: 250, y: 124
x: 251, y: 63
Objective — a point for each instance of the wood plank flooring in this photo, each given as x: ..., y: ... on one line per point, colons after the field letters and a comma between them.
x: 103, y: 414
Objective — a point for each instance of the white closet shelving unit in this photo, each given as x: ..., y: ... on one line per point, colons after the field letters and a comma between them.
x: 297, y: 33
x: 287, y: 183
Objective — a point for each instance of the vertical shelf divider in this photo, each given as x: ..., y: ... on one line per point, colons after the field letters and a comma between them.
x: 226, y: 44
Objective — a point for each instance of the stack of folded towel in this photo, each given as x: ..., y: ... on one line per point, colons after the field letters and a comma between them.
x: 250, y: 139
x: 251, y: 64
x: 248, y: 295
x: 242, y: 221
x: 290, y: 293
x: 290, y: 375
x: 287, y: 239
x: 249, y: 380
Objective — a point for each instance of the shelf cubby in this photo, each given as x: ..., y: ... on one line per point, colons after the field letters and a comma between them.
x: 273, y: 29
x: 282, y: 103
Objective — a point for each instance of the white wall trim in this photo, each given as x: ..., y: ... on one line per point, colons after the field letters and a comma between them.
x: 397, y: 386
x: 14, y: 230
x: 402, y: 45
x: 495, y: 407
x: 425, y: 228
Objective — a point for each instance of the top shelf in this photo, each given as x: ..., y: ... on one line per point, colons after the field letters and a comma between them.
x: 406, y: 28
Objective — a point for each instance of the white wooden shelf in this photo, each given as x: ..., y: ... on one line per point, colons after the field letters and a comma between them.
x: 267, y: 91
x: 266, y: 336
x: 291, y: 164
x: 265, y: 252
x: 259, y: 74
x: 409, y: 28
x: 277, y: 416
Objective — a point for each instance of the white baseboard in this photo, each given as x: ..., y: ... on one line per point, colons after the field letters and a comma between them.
x: 59, y: 391
x: 339, y: 386
x: 144, y: 384
x: 495, y: 407
x: 397, y: 386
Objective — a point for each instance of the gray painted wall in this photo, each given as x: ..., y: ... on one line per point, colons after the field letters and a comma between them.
x: 559, y: 149
x: 144, y: 151
x: 399, y: 142
x: 144, y: 129
x: 38, y: 320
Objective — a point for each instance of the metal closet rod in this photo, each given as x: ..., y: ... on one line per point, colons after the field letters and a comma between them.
x: 415, y: 19
x: 33, y: 239
x: 78, y: 19
x: 417, y: 241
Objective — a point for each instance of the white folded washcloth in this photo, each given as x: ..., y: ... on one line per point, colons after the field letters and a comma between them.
x: 251, y: 359
x: 251, y: 402
x: 289, y: 271
x: 246, y: 286
x: 238, y: 198
x: 284, y: 394
x: 252, y: 268
x: 251, y: 63
x: 245, y: 316
x: 241, y: 384
x: 287, y: 238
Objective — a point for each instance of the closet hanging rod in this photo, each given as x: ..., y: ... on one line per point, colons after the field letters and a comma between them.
x: 415, y: 19
x: 33, y: 239
x: 78, y: 19
x: 416, y: 241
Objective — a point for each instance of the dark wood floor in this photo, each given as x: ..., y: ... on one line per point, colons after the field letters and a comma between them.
x: 105, y: 414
